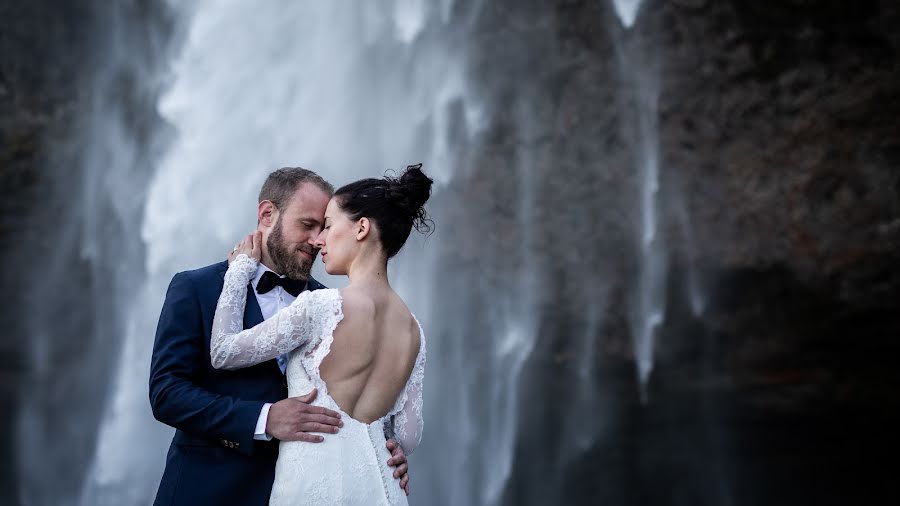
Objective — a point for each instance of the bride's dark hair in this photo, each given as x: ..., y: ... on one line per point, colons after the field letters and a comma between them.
x: 395, y: 205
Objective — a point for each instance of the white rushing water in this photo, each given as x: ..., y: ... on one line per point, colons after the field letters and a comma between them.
x: 91, y: 262
x: 348, y: 89
x: 651, y: 283
x: 627, y: 10
x: 351, y: 89
x: 649, y: 303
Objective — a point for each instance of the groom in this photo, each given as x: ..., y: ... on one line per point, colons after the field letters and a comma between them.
x: 228, y: 423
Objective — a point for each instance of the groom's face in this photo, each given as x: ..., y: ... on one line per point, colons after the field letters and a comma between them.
x: 291, y: 240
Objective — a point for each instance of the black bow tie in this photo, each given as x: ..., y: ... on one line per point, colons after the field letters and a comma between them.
x: 270, y: 280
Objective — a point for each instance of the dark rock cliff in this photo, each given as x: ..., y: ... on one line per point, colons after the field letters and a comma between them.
x: 779, y: 159
x: 43, y: 46
x: 67, y: 68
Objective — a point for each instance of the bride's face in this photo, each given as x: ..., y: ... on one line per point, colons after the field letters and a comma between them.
x: 337, y: 242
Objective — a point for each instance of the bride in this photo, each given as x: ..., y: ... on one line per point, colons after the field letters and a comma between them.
x: 360, y: 346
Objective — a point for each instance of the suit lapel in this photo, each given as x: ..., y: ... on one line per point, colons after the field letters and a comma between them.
x: 252, y: 313
x: 312, y: 284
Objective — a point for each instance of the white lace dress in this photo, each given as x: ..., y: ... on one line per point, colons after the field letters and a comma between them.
x: 349, y: 467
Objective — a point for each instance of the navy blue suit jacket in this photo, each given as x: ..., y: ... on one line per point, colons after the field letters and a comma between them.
x: 213, y: 458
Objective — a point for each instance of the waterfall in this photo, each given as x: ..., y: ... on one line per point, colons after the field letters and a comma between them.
x: 652, y: 270
x: 601, y: 234
x: 347, y: 89
x: 649, y: 303
x: 627, y: 11
x: 92, y: 259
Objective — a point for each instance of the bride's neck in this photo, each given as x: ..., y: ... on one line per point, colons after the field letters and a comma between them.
x: 369, y: 268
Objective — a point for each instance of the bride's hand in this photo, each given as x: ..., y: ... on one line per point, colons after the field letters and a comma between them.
x: 250, y: 246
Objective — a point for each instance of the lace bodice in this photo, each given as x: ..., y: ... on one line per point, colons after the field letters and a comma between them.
x: 308, y: 326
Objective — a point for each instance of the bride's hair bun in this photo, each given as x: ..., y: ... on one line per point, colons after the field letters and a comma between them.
x: 410, y: 192
x: 395, y: 204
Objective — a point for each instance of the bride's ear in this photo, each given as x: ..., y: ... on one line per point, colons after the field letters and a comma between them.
x: 266, y: 213
x: 362, y: 228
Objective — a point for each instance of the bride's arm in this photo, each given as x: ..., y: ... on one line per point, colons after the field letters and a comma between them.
x: 408, y: 424
x: 230, y: 347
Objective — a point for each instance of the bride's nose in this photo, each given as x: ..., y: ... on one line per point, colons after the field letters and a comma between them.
x: 320, y: 240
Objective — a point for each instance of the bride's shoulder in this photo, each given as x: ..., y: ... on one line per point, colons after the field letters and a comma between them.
x: 322, y: 295
x: 356, y: 302
x: 405, y: 313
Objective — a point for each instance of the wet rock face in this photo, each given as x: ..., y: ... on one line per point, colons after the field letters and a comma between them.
x: 780, y: 198
x: 43, y: 45
x: 788, y: 132
x: 42, y: 50
x: 57, y: 63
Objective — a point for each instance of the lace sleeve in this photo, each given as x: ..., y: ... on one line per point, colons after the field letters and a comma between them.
x: 231, y: 347
x: 408, y: 424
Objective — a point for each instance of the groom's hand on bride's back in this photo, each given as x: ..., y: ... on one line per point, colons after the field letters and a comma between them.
x: 293, y: 419
x: 399, y: 463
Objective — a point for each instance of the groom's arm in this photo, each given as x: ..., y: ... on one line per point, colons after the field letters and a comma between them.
x: 179, y: 357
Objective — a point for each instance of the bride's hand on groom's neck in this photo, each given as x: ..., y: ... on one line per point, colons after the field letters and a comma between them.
x: 250, y: 246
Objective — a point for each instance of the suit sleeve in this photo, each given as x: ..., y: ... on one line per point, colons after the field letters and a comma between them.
x: 179, y: 358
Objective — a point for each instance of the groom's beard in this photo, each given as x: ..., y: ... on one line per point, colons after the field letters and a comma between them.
x: 287, y: 260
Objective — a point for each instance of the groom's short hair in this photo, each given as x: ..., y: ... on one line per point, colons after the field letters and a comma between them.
x: 281, y: 185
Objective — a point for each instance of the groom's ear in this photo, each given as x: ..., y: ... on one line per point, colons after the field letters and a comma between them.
x: 362, y: 228
x: 266, y: 213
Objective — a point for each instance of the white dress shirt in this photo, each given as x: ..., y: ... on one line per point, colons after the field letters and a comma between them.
x: 269, y: 303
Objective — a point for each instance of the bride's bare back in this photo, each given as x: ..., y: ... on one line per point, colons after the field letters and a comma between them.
x: 373, y: 353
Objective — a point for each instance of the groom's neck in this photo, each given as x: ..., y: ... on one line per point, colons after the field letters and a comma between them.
x: 267, y: 261
x: 271, y: 266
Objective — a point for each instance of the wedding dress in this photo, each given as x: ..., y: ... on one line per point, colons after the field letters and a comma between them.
x: 349, y: 467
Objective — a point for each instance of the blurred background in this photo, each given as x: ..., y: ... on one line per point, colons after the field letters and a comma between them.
x: 664, y: 270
